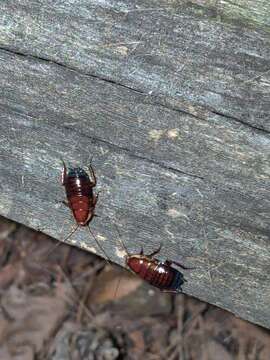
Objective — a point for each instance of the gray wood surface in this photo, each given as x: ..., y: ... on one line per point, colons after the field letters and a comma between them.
x: 172, y: 101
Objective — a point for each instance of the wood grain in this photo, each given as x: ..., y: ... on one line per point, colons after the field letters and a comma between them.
x: 171, y: 99
x: 173, y: 50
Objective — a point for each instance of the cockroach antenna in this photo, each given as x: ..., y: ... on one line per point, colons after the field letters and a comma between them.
x: 121, y: 241
x: 98, y: 244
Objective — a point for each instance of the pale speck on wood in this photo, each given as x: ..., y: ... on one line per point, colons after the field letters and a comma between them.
x: 123, y: 50
x: 120, y: 253
x: 92, y: 249
x: 173, y: 133
x: 87, y: 247
x: 101, y: 237
x: 155, y: 134
x: 175, y: 213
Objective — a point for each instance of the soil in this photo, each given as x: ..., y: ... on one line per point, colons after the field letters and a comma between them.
x: 61, y: 303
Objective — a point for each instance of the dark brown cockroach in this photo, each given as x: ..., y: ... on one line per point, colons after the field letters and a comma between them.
x: 158, y: 274
x: 80, y: 197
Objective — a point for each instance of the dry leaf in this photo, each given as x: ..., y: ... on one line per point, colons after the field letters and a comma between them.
x: 29, y: 321
x: 6, y: 228
x: 8, y: 274
x: 113, y: 284
x: 137, y: 338
x: 216, y: 351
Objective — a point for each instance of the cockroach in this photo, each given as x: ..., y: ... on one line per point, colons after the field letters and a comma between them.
x: 80, y: 197
x: 157, y: 273
x: 161, y: 275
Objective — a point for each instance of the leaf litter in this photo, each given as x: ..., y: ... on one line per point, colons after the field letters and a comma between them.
x: 70, y: 305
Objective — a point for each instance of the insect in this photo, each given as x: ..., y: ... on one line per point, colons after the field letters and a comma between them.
x: 80, y: 197
x: 159, y: 274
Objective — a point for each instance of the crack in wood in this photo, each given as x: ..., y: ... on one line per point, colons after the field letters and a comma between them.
x: 132, y: 154
x: 138, y: 91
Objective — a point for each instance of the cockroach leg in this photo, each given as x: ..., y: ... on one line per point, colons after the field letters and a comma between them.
x: 98, y: 244
x: 62, y: 202
x: 92, y: 176
x: 75, y: 228
x: 170, y: 262
x: 95, y: 198
x: 155, y: 251
x: 65, y: 203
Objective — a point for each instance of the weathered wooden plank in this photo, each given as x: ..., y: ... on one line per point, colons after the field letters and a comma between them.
x: 248, y: 12
x: 221, y: 151
x: 206, y: 53
x: 201, y: 187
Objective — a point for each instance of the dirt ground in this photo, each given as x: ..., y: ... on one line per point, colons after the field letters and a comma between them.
x: 61, y: 303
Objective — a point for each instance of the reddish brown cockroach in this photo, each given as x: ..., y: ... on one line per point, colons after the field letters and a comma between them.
x: 157, y: 273
x: 80, y: 197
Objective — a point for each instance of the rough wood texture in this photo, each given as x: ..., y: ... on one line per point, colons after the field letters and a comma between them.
x: 171, y: 99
